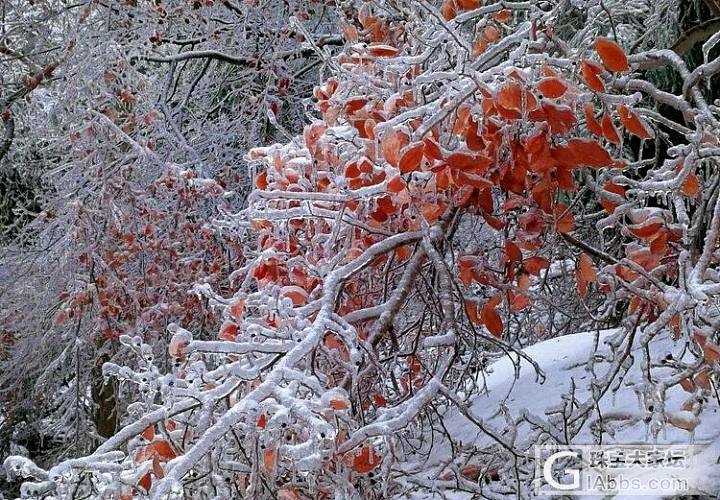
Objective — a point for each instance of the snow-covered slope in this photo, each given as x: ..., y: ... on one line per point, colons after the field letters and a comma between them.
x: 514, y: 386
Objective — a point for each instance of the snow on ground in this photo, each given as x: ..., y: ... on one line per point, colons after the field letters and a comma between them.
x: 564, y: 362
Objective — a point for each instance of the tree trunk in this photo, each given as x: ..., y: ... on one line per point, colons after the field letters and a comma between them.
x: 104, y: 397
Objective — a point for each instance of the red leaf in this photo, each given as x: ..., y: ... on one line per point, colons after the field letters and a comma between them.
x: 469, y: 4
x: 395, y: 185
x: 432, y: 149
x: 589, y: 76
x: 612, y: 55
x: 494, y: 222
x: 262, y: 421
x: 609, y: 130
x: 503, y: 16
x: 535, y: 265
x: 647, y: 229
x: 513, y: 252
x: 352, y: 171
x: 552, y: 87
x: 366, y: 461
x: 379, y: 400
x: 381, y: 50
x: 592, y: 124
x: 611, y: 187
x: 354, y: 104
x: 411, y: 158
x: 560, y: 118
x: 476, y: 181
x: 463, y: 161
x: 492, y: 319
x: 145, y: 482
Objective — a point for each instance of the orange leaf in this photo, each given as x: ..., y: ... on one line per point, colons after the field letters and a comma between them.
x: 261, y: 181
x: 691, y: 186
x: 519, y: 302
x: 503, y: 16
x: 585, y: 269
x: 552, y: 87
x: 472, y: 138
x: 471, y: 308
x: 711, y: 352
x: 612, y: 55
x: 448, y: 10
x: 702, y: 379
x: 565, y: 221
x: 411, y: 158
x: 391, y: 144
x: 634, y: 124
x: 510, y: 96
x: 160, y: 449
x: 589, y: 153
x: 149, y: 433
x: 339, y: 404
x: 269, y: 460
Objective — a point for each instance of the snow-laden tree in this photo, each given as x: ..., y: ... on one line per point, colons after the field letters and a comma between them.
x: 125, y: 128
x: 475, y: 176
